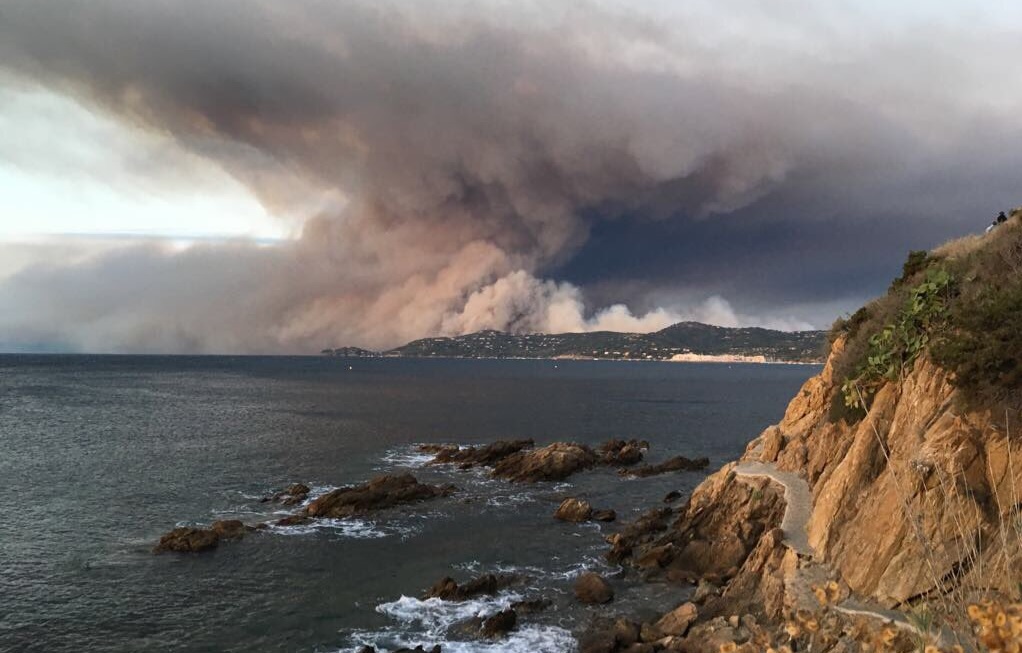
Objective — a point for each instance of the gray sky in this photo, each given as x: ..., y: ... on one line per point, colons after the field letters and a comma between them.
x: 256, y: 176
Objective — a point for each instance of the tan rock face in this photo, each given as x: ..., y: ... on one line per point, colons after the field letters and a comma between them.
x: 900, y: 496
x: 677, y: 621
x: 574, y: 510
x: 555, y: 462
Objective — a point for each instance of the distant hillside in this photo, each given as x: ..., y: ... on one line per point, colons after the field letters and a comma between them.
x: 679, y: 339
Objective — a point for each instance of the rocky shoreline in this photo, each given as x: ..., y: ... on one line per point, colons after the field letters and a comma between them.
x: 515, y: 462
x: 763, y: 572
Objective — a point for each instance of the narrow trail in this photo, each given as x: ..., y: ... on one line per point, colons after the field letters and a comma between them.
x: 811, y: 571
x: 799, y: 500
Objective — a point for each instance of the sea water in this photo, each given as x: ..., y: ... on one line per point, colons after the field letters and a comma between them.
x: 99, y: 455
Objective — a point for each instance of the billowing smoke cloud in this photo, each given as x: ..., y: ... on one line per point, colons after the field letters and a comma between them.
x: 454, y: 157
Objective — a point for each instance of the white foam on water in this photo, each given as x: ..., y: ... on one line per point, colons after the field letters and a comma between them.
x: 524, y: 639
x: 510, y: 500
x: 409, y: 456
x: 426, y: 622
x: 346, y: 528
x: 568, y: 572
x: 436, y: 615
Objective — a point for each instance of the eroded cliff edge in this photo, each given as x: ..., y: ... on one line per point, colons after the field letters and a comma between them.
x: 893, y: 521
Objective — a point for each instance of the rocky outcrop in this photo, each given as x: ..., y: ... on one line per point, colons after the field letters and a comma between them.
x: 554, y: 462
x: 291, y: 495
x: 592, y: 588
x: 518, y: 461
x: 449, y: 590
x: 487, y: 455
x: 498, y: 625
x: 903, y: 506
x: 621, y: 453
x: 928, y: 481
x: 677, y: 621
x: 676, y: 464
x: 194, y: 540
x: 377, y: 494
x: 574, y: 510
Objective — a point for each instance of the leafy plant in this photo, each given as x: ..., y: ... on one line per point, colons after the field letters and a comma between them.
x: 984, y: 347
x: 894, y: 348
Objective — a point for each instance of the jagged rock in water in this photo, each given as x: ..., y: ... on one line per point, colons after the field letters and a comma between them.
x: 499, y: 625
x: 187, y: 540
x: 592, y: 588
x: 194, y: 540
x: 604, y: 515
x: 229, y: 529
x: 676, y: 464
x: 449, y: 590
x: 379, y: 493
x: 291, y: 495
x: 485, y: 456
x: 554, y: 462
x: 621, y: 452
x: 642, y: 530
x: 574, y: 510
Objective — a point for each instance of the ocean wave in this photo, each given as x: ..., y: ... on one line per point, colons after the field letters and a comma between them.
x: 347, y: 528
x: 526, y: 639
x: 407, y: 456
x: 426, y: 621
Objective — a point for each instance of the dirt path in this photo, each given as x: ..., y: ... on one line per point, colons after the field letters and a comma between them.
x: 799, y: 503
x: 795, y: 524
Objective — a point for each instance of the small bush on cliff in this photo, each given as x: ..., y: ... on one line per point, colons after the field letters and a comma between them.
x: 969, y: 321
x: 984, y: 348
x: 892, y: 349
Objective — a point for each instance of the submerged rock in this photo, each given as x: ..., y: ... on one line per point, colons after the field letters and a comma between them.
x: 529, y: 606
x: 676, y: 464
x: 379, y: 493
x: 604, y: 515
x: 229, y: 529
x: 574, y: 510
x: 449, y: 590
x: 592, y: 588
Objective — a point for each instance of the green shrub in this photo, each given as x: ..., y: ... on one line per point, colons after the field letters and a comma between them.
x: 917, y: 261
x: 893, y: 348
x: 984, y: 346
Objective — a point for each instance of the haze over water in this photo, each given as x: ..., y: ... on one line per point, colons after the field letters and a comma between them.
x: 103, y: 454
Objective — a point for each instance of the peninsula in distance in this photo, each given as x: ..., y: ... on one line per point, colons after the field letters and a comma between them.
x: 681, y: 342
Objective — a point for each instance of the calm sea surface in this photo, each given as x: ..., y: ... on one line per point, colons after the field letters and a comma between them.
x: 99, y: 455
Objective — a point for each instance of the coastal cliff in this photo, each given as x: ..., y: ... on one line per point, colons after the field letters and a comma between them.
x: 884, y: 510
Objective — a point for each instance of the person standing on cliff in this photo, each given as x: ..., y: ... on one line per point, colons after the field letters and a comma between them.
x: 1001, y: 218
